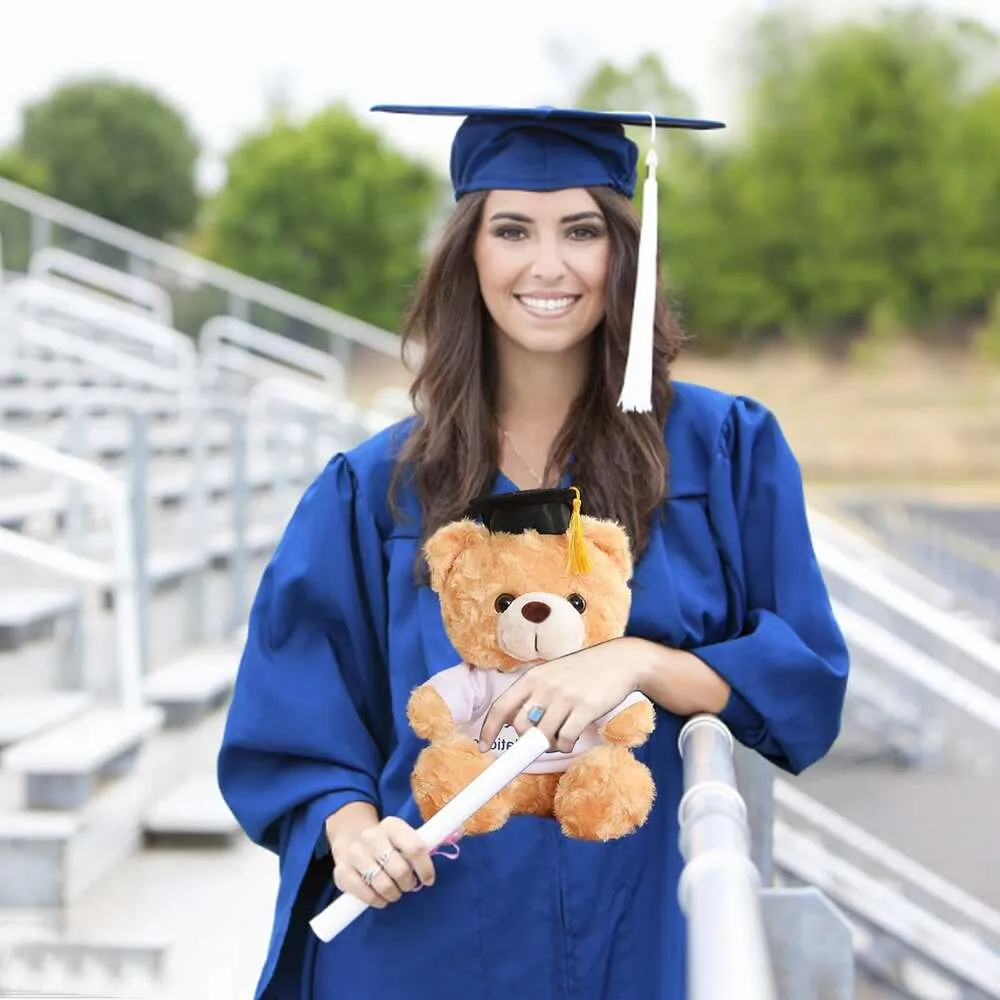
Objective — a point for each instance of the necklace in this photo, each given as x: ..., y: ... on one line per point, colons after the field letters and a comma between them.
x: 534, y: 475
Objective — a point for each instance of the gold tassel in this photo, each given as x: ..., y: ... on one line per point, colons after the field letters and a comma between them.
x: 579, y: 558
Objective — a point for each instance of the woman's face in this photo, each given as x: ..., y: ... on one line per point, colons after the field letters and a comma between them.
x: 542, y: 259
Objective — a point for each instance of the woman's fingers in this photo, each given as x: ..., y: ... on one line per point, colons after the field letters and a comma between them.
x: 412, y: 850
x: 501, y: 713
x: 384, y: 862
x: 552, y: 719
x: 571, y: 728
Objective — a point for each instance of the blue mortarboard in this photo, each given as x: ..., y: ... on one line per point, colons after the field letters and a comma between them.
x: 543, y: 149
x: 551, y: 149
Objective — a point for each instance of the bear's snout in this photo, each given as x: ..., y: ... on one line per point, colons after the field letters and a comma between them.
x: 536, y: 612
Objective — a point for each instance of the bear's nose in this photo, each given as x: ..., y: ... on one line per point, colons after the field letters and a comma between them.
x: 536, y: 611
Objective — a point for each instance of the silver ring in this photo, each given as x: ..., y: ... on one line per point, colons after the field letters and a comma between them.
x: 535, y: 714
x: 368, y: 876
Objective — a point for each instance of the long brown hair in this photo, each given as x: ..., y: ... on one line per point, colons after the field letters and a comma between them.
x: 620, y: 460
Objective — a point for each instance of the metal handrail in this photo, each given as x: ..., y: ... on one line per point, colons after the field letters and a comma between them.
x: 199, y: 270
x: 110, y: 359
x: 719, y: 891
x: 899, y: 656
x: 27, y: 294
x: 949, y: 628
x: 955, y: 952
x: 895, y: 864
x: 125, y: 570
x: 124, y: 288
x: 290, y: 353
x: 864, y: 545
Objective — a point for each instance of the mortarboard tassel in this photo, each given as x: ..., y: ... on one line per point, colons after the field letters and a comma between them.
x: 637, y: 388
x: 579, y: 558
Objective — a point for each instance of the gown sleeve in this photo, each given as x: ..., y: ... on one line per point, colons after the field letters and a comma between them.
x: 788, y: 665
x: 305, y: 733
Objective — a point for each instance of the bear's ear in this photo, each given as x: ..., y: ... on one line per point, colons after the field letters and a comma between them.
x: 612, y: 540
x: 446, y: 545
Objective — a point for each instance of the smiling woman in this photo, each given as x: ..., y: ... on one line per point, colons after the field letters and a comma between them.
x: 527, y: 310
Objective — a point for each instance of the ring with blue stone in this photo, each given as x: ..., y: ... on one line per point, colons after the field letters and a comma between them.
x: 535, y: 714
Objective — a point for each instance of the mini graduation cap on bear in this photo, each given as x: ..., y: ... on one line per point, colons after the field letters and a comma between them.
x: 550, y: 149
x: 549, y: 512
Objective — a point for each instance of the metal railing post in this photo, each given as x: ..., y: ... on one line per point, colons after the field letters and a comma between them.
x: 138, y: 480
x: 240, y: 517
x: 728, y: 957
x: 73, y: 674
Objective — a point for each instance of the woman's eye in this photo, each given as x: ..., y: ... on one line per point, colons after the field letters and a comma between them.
x: 509, y: 234
x: 503, y: 602
x: 577, y: 602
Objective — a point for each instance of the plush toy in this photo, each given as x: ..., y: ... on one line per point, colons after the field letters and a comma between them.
x: 534, y: 581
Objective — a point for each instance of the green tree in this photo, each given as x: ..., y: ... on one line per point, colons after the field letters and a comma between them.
x: 328, y: 210
x: 866, y: 184
x: 17, y: 168
x: 693, y: 167
x: 971, y: 277
x: 118, y: 150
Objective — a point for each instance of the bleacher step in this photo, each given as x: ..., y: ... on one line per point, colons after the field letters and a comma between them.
x: 82, y: 968
x: 196, y: 683
x: 25, y: 716
x: 29, y: 614
x: 193, y: 813
x: 63, y: 767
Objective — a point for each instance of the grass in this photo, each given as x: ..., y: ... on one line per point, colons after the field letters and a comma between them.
x: 908, y: 417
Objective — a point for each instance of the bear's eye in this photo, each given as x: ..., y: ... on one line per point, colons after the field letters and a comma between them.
x: 577, y: 602
x: 503, y: 602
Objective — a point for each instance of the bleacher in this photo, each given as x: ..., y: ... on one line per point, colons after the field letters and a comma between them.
x: 149, y: 462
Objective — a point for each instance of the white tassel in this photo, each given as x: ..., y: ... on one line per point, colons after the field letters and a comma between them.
x: 637, y: 388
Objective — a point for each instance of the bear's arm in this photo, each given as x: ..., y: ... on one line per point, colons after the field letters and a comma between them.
x: 629, y: 723
x: 442, y: 703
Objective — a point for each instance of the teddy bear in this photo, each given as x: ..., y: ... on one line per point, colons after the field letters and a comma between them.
x: 523, y: 588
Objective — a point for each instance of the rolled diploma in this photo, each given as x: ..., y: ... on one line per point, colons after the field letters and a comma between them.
x: 328, y: 923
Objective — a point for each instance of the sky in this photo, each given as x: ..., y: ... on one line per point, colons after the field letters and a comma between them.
x: 217, y: 60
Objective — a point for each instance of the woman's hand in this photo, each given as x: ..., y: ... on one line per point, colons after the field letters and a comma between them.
x: 573, y: 692
x: 376, y: 860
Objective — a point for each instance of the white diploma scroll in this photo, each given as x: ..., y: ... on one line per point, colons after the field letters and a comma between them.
x: 328, y: 923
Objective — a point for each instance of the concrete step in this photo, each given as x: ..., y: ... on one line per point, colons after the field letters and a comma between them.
x: 85, y: 968
x: 192, y: 814
x: 195, y: 684
x: 23, y: 510
x: 50, y: 858
x: 25, y: 716
x: 63, y: 767
x: 33, y: 614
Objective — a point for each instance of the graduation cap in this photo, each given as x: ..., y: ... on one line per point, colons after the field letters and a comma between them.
x: 550, y: 149
x: 549, y: 512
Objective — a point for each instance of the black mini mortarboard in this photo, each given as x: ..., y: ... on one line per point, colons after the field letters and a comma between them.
x: 552, y: 149
x: 549, y: 512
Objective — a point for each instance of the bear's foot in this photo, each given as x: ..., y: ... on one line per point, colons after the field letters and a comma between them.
x: 604, y: 795
x: 441, y: 772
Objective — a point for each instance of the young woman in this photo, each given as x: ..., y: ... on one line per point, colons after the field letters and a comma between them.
x: 525, y: 314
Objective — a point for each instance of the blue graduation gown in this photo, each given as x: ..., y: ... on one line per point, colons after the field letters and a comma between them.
x: 339, y: 634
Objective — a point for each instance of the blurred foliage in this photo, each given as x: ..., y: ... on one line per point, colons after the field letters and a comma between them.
x: 856, y: 202
x: 16, y: 167
x: 325, y: 209
x: 863, y: 192
x: 118, y: 150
